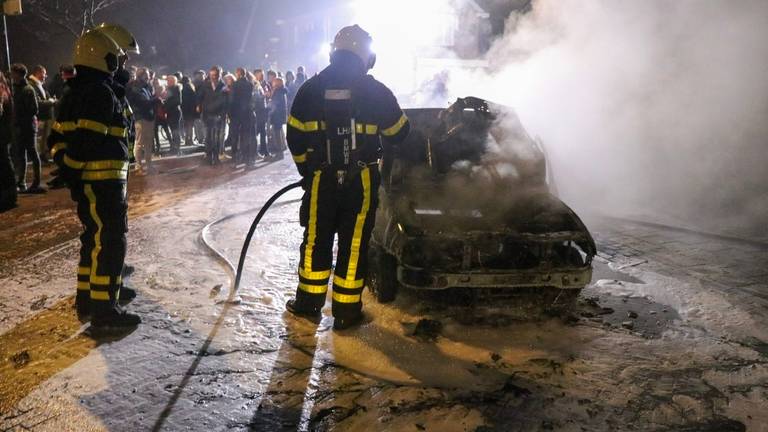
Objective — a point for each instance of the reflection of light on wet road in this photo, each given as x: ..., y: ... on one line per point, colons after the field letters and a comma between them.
x: 268, y: 276
x: 484, y: 366
x: 585, y: 355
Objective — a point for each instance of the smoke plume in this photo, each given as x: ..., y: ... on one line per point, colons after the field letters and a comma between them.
x: 655, y: 108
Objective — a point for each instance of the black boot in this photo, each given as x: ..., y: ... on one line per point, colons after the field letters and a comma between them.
x: 347, y: 323
x: 297, y: 309
x: 35, y: 189
x: 113, y: 318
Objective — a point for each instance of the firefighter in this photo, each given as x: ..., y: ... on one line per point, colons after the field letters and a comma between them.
x: 89, y: 144
x: 127, y: 42
x: 340, y: 122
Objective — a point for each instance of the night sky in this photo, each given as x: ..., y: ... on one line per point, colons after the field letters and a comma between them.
x: 179, y: 34
x: 183, y: 34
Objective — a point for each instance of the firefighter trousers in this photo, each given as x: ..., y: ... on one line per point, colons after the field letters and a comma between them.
x: 102, y: 210
x: 329, y: 209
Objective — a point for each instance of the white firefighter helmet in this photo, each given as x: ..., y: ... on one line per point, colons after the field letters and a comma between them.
x: 356, y: 40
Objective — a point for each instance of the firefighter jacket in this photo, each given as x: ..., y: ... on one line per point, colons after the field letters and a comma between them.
x: 89, y: 138
x: 119, y: 86
x: 372, y: 105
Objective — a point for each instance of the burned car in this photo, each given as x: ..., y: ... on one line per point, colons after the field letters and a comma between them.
x: 466, y: 203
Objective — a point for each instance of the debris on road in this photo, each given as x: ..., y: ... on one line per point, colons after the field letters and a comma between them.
x: 427, y: 330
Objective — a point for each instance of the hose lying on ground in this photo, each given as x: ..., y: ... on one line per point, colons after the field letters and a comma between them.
x: 159, y: 423
x: 236, y: 274
x: 247, y: 243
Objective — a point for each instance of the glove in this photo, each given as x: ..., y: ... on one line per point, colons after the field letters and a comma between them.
x: 65, y: 173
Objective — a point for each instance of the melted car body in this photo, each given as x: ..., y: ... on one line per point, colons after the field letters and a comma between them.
x: 466, y: 203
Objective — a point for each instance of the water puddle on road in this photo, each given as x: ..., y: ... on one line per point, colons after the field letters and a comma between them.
x: 640, y: 315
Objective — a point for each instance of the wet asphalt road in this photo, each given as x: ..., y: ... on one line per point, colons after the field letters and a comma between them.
x: 671, y: 335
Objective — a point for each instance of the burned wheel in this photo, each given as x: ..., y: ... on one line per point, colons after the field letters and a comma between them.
x: 382, y: 274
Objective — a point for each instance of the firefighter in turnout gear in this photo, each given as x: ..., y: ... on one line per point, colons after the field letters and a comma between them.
x: 340, y: 122
x: 89, y: 145
x: 127, y: 42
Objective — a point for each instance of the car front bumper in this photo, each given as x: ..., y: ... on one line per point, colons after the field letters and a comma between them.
x: 571, y: 278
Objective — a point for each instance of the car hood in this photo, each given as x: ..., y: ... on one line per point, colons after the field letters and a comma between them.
x: 528, y: 214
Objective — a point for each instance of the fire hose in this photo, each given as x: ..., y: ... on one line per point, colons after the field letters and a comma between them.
x: 252, y: 230
x: 234, y: 287
x: 237, y: 273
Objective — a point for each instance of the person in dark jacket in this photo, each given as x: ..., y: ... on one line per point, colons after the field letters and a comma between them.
x: 278, y: 115
x: 189, y: 110
x: 231, y: 139
x: 301, y: 76
x: 25, y: 130
x: 58, y: 88
x: 260, y: 93
x: 161, y: 117
x: 59, y: 81
x: 292, y: 86
x: 142, y: 99
x: 8, y: 192
x: 172, y: 104
x: 198, y: 79
x: 241, y: 116
x: 213, y: 108
x: 45, y: 104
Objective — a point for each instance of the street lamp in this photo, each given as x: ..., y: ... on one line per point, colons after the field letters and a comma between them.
x: 10, y: 7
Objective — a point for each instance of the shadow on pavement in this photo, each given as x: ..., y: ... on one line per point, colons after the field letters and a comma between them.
x: 40, y: 347
x: 282, y: 405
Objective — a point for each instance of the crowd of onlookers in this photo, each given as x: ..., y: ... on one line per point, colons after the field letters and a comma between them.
x: 245, y: 111
x: 27, y: 111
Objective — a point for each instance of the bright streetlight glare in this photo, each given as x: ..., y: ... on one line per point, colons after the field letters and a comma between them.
x: 401, y: 38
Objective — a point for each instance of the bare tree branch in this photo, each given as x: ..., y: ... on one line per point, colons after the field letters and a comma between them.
x: 73, y: 16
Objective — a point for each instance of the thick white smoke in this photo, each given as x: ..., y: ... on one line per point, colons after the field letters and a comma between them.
x: 651, y: 107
